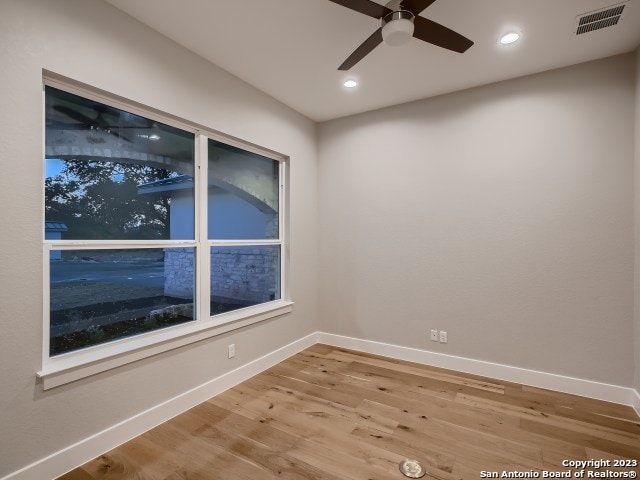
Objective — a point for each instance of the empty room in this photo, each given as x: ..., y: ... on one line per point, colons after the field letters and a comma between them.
x: 319, y: 239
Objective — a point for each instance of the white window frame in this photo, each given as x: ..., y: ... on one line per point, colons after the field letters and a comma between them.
x: 71, y: 366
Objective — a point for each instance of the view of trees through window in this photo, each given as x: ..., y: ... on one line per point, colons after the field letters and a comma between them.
x: 98, y: 200
x: 120, y: 221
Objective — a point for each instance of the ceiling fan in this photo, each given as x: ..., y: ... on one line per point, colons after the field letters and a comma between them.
x: 401, y: 21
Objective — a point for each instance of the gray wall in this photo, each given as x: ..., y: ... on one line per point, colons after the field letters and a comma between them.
x: 637, y: 224
x: 94, y: 43
x: 502, y: 215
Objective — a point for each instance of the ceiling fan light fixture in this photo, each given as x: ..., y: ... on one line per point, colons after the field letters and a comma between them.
x: 397, y: 28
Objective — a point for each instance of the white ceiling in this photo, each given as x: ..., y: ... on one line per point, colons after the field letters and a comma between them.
x: 291, y: 49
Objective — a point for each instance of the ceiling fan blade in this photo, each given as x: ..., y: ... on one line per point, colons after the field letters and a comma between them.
x: 363, y: 50
x: 366, y: 7
x: 432, y: 32
x: 415, y: 6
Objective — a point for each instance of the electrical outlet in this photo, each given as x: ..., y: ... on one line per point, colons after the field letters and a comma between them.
x: 434, y: 335
x: 443, y: 337
x: 232, y: 350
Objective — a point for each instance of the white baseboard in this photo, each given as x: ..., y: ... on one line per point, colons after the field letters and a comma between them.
x: 560, y: 383
x: 636, y: 402
x: 79, y: 453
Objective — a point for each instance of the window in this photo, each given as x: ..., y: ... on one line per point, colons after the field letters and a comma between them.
x: 153, y: 228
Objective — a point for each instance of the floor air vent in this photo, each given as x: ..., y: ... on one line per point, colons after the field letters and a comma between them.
x: 598, y: 19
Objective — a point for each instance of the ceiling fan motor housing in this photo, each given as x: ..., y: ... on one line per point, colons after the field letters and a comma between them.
x: 397, y: 28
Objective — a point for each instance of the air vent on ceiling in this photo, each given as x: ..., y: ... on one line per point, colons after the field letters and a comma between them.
x: 598, y: 19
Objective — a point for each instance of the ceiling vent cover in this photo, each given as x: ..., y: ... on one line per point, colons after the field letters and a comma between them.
x: 598, y: 19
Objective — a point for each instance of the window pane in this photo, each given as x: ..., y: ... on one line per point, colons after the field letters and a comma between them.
x: 244, y: 276
x: 243, y: 194
x: 113, y: 175
x: 102, y: 295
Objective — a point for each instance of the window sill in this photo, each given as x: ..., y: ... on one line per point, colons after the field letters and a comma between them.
x: 77, y: 365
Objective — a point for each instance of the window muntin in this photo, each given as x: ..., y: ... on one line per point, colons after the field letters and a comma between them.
x: 176, y: 189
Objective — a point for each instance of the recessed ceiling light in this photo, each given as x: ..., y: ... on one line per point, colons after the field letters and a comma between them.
x: 509, y: 38
x: 350, y: 84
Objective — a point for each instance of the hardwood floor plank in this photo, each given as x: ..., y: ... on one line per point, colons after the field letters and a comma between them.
x: 277, y: 382
x: 319, y: 361
x: 619, y: 424
x: 591, y: 405
x: 321, y: 349
x: 78, y: 474
x: 215, y: 462
x: 467, y: 380
x: 139, y: 458
x: 343, y: 464
x: 512, y: 405
x: 409, y: 384
x: 273, y: 462
x: 588, y: 440
x: 428, y: 454
x: 584, y: 426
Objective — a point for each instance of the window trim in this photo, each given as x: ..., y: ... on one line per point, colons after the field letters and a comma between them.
x: 71, y: 366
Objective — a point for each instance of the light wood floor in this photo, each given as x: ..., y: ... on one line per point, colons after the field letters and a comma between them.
x: 335, y: 414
